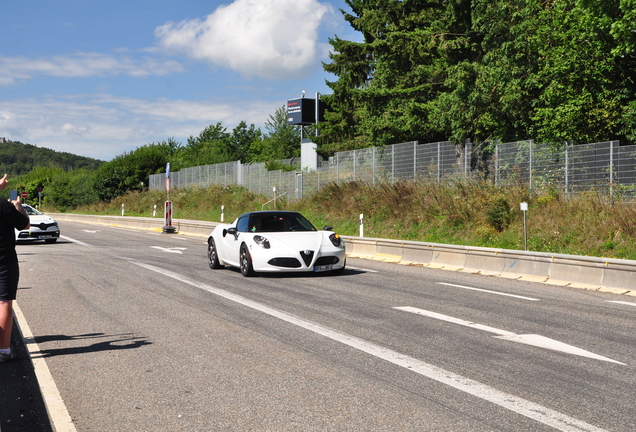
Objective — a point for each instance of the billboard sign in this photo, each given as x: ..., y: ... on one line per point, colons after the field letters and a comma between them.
x: 301, y: 111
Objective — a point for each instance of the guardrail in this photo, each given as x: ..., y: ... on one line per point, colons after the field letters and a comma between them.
x: 595, y: 273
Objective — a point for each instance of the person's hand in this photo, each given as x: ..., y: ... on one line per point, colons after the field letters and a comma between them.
x: 3, y: 182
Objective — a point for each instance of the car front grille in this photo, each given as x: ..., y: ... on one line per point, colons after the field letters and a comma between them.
x: 326, y: 260
x: 285, y: 262
x: 307, y: 256
x: 44, y: 226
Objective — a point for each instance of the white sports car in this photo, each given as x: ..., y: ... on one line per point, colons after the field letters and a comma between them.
x: 275, y: 241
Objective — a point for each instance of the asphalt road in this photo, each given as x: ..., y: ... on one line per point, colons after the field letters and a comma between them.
x: 140, y: 335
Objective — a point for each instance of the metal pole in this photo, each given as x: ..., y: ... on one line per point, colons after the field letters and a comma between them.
x: 373, y: 165
x: 611, y: 171
x: 439, y: 161
x: 497, y: 164
x: 525, y: 232
x: 530, y: 170
x: 567, y: 168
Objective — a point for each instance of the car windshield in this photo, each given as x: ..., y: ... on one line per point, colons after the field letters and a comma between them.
x: 279, y: 222
x: 31, y: 211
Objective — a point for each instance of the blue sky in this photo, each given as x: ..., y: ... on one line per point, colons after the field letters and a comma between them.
x: 100, y: 78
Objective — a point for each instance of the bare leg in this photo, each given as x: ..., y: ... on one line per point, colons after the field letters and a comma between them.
x: 6, y: 323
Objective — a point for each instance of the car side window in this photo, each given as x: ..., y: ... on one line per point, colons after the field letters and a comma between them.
x: 242, y: 225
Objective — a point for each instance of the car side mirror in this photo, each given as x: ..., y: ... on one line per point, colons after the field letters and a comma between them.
x: 233, y: 231
x: 328, y: 228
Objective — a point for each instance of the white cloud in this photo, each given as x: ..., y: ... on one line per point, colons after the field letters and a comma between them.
x: 104, y: 126
x: 17, y: 69
x: 276, y: 39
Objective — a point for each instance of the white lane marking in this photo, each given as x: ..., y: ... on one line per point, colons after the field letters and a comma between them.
x: 55, y: 405
x: 529, y: 339
x: 177, y: 250
x: 362, y: 269
x: 76, y: 241
x: 490, y: 292
x: 91, y: 232
x: 622, y: 302
x: 513, y: 403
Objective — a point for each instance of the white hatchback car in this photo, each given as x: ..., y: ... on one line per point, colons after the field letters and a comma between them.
x: 43, y: 227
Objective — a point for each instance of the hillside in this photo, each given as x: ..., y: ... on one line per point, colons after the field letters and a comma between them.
x: 17, y: 158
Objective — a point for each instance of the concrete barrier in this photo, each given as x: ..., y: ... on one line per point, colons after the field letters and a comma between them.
x: 607, y: 274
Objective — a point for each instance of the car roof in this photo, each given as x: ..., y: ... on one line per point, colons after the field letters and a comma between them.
x: 270, y: 212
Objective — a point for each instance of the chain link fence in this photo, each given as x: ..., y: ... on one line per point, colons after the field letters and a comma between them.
x: 606, y: 168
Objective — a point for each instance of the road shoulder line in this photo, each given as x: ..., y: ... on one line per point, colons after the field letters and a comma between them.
x: 58, y: 414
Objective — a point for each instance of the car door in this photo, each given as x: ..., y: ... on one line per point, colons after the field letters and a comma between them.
x: 232, y: 242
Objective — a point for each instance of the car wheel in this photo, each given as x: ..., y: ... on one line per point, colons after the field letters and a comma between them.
x: 50, y: 240
x: 213, y: 258
x: 246, y: 262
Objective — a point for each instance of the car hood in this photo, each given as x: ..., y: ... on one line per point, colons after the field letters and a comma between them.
x: 38, y: 219
x: 298, y: 240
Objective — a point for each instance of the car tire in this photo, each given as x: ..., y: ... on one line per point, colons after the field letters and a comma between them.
x: 213, y: 257
x: 246, y: 262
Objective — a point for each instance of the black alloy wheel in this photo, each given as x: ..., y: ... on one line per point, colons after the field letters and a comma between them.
x: 213, y: 258
x: 246, y: 262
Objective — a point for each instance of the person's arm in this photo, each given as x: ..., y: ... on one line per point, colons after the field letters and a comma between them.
x: 18, y: 205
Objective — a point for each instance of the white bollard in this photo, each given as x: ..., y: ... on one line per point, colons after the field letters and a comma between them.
x: 361, y: 225
x: 222, y: 213
x: 122, y: 209
x: 154, y: 211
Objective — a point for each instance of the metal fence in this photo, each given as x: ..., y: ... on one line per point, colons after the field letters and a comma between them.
x: 604, y: 167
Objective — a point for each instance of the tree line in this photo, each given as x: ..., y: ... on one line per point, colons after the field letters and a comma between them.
x: 68, y: 182
x: 548, y: 70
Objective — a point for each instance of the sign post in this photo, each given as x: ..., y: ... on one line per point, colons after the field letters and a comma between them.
x: 524, y: 209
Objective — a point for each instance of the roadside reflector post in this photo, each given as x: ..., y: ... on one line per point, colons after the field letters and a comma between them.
x: 361, y: 225
x: 122, y: 209
x: 154, y: 211
x: 222, y: 213
x: 168, y: 228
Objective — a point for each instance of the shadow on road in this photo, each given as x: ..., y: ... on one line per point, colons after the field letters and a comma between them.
x: 120, y: 342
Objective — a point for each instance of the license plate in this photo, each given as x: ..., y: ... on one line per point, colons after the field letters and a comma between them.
x: 323, y: 268
x: 45, y: 237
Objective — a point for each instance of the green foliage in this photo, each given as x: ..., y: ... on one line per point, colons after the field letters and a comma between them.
x: 483, y: 69
x: 17, y: 158
x: 499, y: 214
x: 71, y: 189
x: 130, y: 171
x: 281, y: 142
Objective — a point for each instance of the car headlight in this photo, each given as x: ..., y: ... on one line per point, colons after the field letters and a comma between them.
x: 335, y: 239
x: 261, y: 241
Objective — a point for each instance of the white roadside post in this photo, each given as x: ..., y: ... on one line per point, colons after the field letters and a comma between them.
x: 524, y: 209
x: 274, y: 197
x: 154, y: 211
x: 122, y: 209
x: 222, y: 213
x: 361, y: 225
